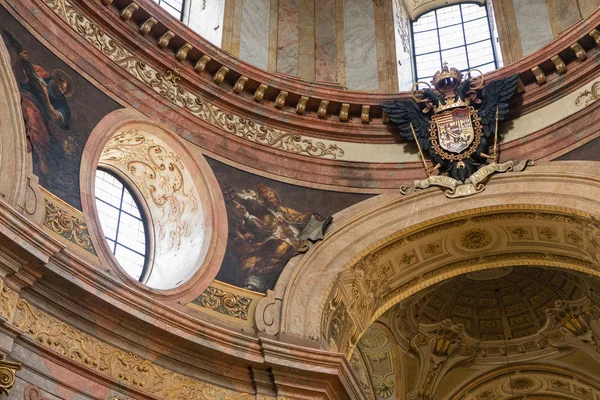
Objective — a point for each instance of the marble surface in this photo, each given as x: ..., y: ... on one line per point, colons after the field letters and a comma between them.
x: 254, y: 35
x: 325, y: 42
x: 563, y: 14
x: 533, y: 23
x: 287, y: 37
x: 360, y: 45
x: 206, y: 18
x: 586, y: 7
x: 306, y: 44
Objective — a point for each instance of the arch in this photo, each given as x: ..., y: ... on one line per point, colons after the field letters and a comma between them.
x: 190, y: 236
x: 18, y: 185
x: 379, y: 227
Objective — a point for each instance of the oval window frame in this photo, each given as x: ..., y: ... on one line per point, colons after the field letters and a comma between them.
x: 210, y: 197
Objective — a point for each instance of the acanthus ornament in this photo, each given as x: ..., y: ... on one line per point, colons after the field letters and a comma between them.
x: 224, y: 302
x: 68, y: 226
x: 181, y: 97
x: 101, y: 357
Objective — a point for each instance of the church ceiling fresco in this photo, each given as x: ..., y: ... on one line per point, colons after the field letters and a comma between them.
x: 269, y: 223
x: 59, y: 106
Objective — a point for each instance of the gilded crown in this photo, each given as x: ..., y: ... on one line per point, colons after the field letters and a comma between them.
x: 447, y: 78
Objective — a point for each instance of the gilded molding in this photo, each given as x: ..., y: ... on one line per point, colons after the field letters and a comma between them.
x: 280, y: 100
x: 107, y: 2
x: 128, y: 11
x: 259, y: 94
x: 588, y: 96
x: 579, y: 51
x: 147, y: 26
x: 225, y: 303
x: 540, y: 77
x: 96, y: 355
x: 322, y: 112
x: 240, y: 84
x: 201, y: 63
x: 559, y: 64
x: 183, y: 51
x: 220, y: 75
x: 364, y: 115
x: 165, y: 39
x: 181, y: 97
x: 68, y: 226
x: 385, y: 118
x: 595, y: 34
x: 301, y: 106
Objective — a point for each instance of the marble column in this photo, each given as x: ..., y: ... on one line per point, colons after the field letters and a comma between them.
x: 287, y: 37
x: 254, y: 34
x: 533, y: 23
x: 306, y: 45
x: 360, y: 45
x: 563, y: 14
x: 325, y: 42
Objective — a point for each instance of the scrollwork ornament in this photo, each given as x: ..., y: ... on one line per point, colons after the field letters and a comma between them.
x: 224, y: 302
x: 67, y: 226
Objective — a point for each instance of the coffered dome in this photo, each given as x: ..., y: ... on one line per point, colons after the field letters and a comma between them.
x: 504, y: 303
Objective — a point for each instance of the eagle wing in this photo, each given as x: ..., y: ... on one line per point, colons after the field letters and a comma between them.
x: 404, y: 113
x: 496, y: 95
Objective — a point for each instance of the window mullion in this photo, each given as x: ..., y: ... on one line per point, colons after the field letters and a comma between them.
x: 462, y: 25
x: 437, y: 24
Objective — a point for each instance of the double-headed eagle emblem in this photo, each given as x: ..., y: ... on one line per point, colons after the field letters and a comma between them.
x: 455, y: 123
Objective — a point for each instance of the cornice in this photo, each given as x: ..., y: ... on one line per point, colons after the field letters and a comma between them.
x: 575, y: 48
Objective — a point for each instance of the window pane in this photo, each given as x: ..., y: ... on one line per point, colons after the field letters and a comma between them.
x: 131, y: 233
x: 472, y: 11
x: 426, y: 42
x: 109, y: 219
x: 428, y: 64
x: 451, y: 36
x: 477, y: 30
x: 425, y: 23
x: 131, y: 262
x: 480, y: 53
x: 456, y: 58
x: 173, y: 7
x: 108, y: 188
x: 486, y: 68
x: 448, y: 16
x: 121, y: 223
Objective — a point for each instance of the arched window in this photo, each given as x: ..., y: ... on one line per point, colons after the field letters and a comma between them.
x: 122, y: 224
x: 173, y: 7
x: 460, y: 35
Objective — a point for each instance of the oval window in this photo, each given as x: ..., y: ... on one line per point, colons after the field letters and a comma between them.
x: 122, y: 224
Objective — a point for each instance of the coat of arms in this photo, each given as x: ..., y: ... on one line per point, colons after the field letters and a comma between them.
x: 456, y: 122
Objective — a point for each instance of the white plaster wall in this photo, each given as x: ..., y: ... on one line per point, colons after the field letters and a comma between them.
x: 206, y: 18
x: 254, y: 35
x: 360, y: 45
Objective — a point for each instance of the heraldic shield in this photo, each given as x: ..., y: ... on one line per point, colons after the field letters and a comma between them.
x: 456, y: 122
x: 455, y: 129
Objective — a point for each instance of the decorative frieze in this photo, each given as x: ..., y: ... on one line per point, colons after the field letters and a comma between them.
x: 70, y: 227
x: 224, y: 302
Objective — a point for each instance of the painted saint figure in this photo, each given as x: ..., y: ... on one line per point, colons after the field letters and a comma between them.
x: 264, y: 234
x: 43, y: 100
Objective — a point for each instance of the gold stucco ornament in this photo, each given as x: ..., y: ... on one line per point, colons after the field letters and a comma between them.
x: 456, y: 122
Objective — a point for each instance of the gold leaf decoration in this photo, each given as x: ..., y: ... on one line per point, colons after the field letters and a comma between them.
x: 96, y: 355
x: 67, y: 226
x: 224, y: 302
x: 172, y: 90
